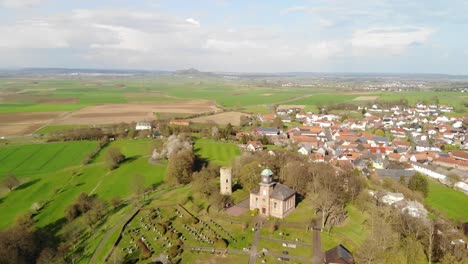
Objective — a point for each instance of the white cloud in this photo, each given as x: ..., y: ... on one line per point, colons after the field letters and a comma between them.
x: 326, y: 49
x: 32, y: 34
x: 294, y: 9
x: 192, y: 21
x: 20, y: 3
x: 394, y: 40
x: 325, y: 23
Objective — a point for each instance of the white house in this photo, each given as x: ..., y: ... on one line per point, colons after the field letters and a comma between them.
x: 143, y: 126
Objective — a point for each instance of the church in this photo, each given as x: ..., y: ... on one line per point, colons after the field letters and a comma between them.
x: 272, y: 198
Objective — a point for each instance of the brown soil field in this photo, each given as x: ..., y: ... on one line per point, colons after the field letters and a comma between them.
x: 18, y: 129
x: 23, y: 97
x: 132, y: 112
x: 365, y: 98
x: 34, y: 117
x: 221, y: 118
x: 24, y: 123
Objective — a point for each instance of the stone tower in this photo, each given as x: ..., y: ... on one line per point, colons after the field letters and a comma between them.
x: 225, y: 183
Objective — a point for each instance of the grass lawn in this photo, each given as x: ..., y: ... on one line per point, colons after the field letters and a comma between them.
x: 50, y: 129
x: 22, y: 160
x: 277, y: 247
x: 215, y: 151
x: 450, y: 202
x: 351, y: 233
x: 129, y: 147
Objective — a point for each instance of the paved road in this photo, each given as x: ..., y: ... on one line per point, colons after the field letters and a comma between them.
x: 253, y: 249
x: 318, y: 253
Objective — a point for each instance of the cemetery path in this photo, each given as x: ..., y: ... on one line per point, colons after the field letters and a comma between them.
x: 318, y: 253
x: 286, y: 241
x: 217, y: 250
x: 253, y: 249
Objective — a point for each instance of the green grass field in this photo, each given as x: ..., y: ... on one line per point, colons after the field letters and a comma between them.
x: 54, y: 128
x: 448, y: 201
x: 216, y: 152
x: 60, y: 181
x: 22, y: 160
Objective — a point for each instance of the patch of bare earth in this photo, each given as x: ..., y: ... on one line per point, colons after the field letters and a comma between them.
x: 133, y: 112
x: 221, y: 118
x: 16, y: 124
x: 366, y: 98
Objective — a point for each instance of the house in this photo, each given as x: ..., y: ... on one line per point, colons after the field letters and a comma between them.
x: 272, y: 198
x: 395, y: 174
x: 267, y: 117
x: 254, y: 146
x: 305, y: 150
x: 143, y: 126
x: 339, y: 255
x: 460, y: 155
x: 267, y: 131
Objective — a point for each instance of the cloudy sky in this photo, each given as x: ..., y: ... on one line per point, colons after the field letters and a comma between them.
x: 400, y: 36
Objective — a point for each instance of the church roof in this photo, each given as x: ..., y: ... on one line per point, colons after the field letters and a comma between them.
x: 281, y: 192
x: 267, y: 172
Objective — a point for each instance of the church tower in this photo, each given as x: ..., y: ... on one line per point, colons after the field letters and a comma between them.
x: 225, y: 179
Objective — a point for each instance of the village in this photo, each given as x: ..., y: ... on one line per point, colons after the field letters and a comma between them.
x: 392, y: 144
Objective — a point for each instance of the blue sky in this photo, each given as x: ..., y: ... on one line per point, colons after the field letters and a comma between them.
x: 243, y: 36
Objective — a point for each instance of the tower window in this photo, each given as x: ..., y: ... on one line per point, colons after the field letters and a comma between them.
x: 227, y: 180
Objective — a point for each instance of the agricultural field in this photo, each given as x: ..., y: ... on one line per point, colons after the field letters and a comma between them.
x: 62, y: 179
x: 221, y: 119
x: 217, y: 152
x: 448, y: 201
x: 24, y: 160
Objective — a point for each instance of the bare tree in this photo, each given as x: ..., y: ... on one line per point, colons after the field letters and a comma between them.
x: 10, y: 181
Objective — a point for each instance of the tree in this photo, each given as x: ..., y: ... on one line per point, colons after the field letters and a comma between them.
x: 402, y: 180
x: 138, y: 184
x: 453, y: 179
x: 203, y: 184
x: 228, y: 130
x: 250, y: 175
x: 10, y: 181
x: 328, y: 203
x: 113, y: 157
x: 277, y: 122
x: 180, y: 167
x: 418, y: 182
x: 380, y: 133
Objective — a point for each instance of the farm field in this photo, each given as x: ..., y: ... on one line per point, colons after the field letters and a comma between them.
x: 221, y: 118
x: 448, y: 201
x: 132, y: 112
x: 59, y: 184
x: 217, y: 152
x: 23, y: 160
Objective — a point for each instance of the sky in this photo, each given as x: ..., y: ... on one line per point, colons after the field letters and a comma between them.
x: 387, y: 36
